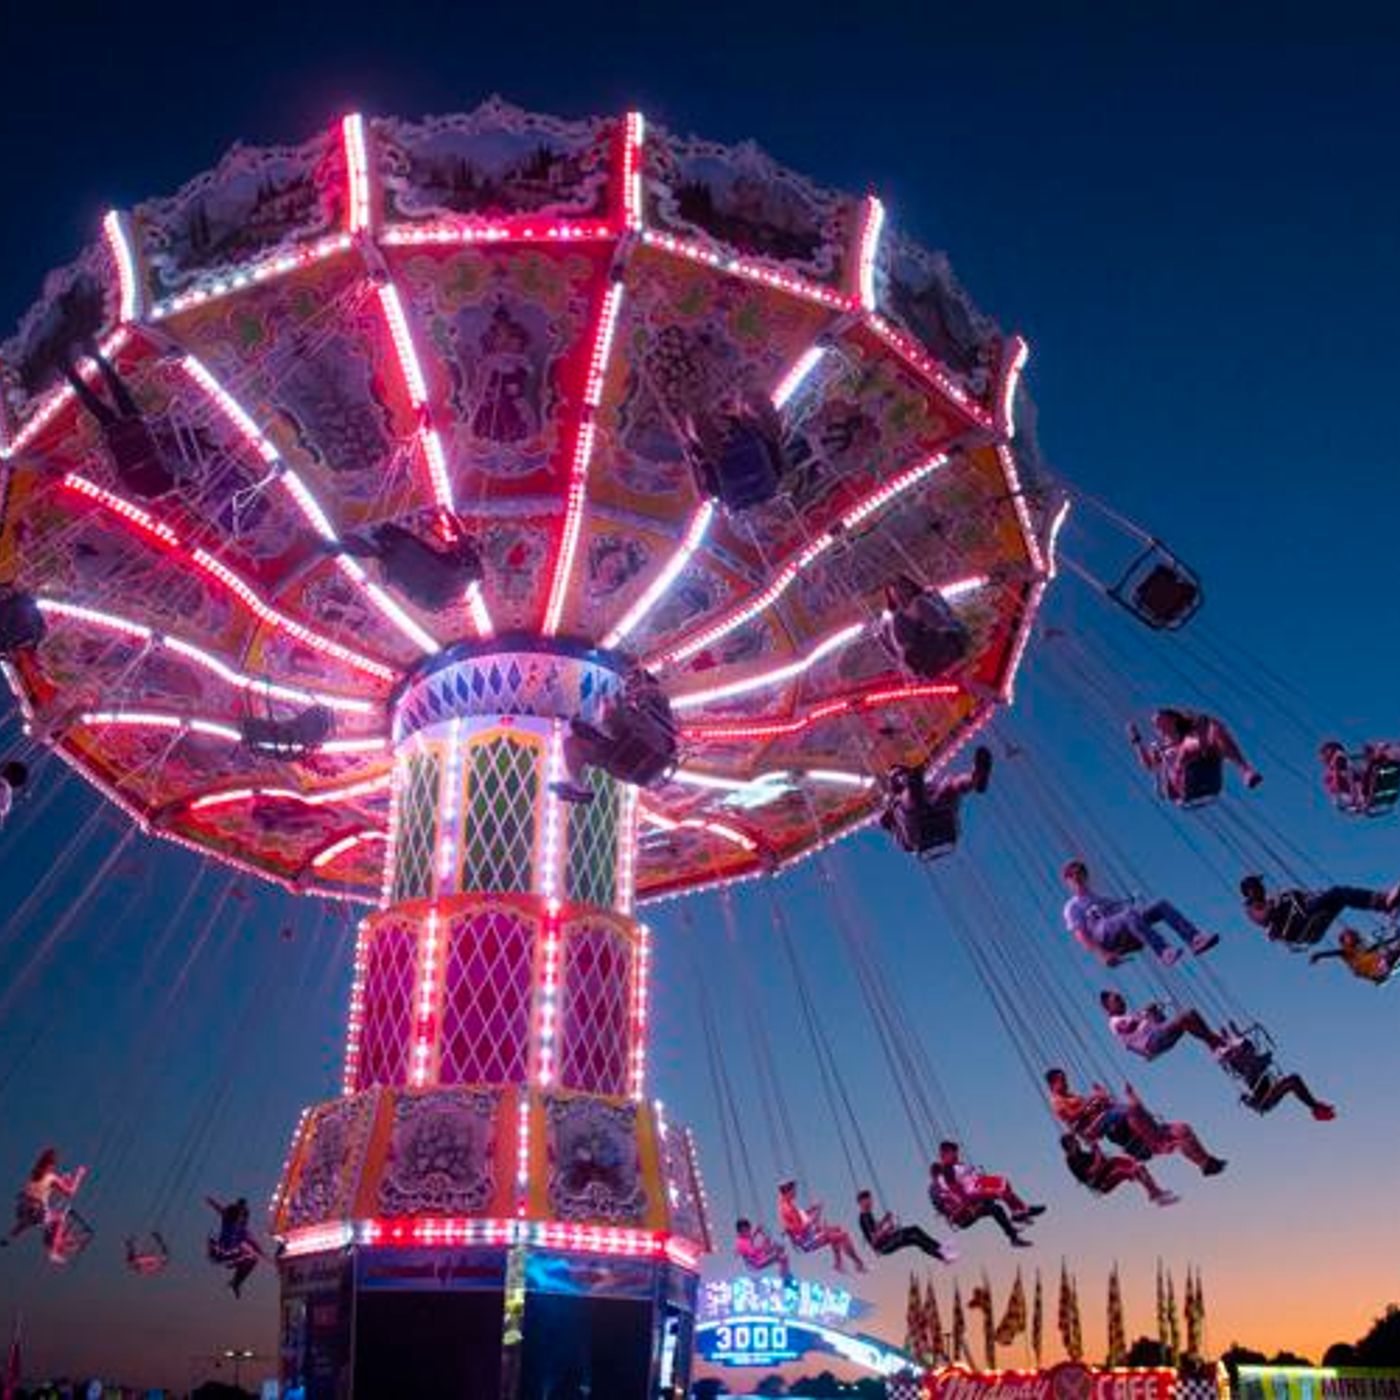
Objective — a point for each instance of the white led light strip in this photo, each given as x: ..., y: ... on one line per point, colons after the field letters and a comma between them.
x: 115, y: 230
x: 661, y: 584
x: 345, y: 843
x: 782, y: 580
x: 233, y: 796
x: 576, y: 498
x: 306, y: 502
x: 111, y: 622
x: 207, y: 564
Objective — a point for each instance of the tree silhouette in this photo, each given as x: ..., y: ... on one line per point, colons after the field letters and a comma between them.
x: 1147, y: 1351
x: 1340, y: 1354
x: 1381, y: 1345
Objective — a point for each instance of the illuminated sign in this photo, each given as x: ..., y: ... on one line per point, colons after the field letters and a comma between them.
x: 769, y: 1341
x: 1317, y: 1383
x: 1067, y: 1381
x: 804, y: 1300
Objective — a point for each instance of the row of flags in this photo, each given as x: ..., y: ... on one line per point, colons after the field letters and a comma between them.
x: 926, y: 1339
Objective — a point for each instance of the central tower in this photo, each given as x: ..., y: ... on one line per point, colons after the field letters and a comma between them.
x: 493, y: 1206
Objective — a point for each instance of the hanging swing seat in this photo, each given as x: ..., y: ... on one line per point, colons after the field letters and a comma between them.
x: 639, y: 746
x: 1301, y: 930
x: 21, y: 623
x: 1376, y: 789
x: 1247, y: 1054
x: 1158, y: 589
x: 66, y: 1236
x: 928, y: 831
x: 744, y: 470
x: 288, y: 738
x: 1202, y: 781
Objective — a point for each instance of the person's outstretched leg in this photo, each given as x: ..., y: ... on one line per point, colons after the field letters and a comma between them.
x: 1164, y: 911
x: 241, y: 1270
x: 1192, y: 1023
x: 992, y: 1210
x: 1295, y: 1085
x: 1331, y: 902
x: 1224, y: 743
x: 1123, y: 1169
x: 916, y: 1237
x: 1128, y: 923
x: 1182, y: 1138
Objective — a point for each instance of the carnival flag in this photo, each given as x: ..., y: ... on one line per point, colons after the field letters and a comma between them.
x: 981, y: 1299
x: 1163, y: 1327
x: 913, y: 1320
x: 934, y: 1340
x: 959, y: 1348
x: 1013, y: 1320
x: 1195, y: 1315
x: 1037, y: 1321
x: 1076, y: 1351
x: 1117, y: 1340
x: 1173, y: 1321
x: 1064, y: 1318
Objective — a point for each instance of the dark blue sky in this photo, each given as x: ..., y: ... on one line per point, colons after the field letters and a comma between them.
x: 1192, y: 215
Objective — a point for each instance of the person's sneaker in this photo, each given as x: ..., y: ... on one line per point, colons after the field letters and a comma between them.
x: 1019, y: 1243
x: 1169, y: 957
x: 981, y: 768
x: 1212, y: 1166
x: 571, y: 792
x: 1252, y: 777
x: 1324, y: 1113
x: 947, y: 1254
x: 1029, y: 1213
x: 1165, y: 1198
x: 1204, y: 942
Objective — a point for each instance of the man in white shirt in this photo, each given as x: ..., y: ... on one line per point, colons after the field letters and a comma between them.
x: 1150, y: 1032
x: 1112, y: 929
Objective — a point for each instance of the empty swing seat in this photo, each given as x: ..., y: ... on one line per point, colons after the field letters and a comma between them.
x: 288, y: 738
x: 1159, y: 590
x: 747, y: 469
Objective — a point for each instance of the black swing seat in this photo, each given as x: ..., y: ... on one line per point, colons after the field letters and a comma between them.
x: 1121, y: 1135
x: 928, y: 830
x: 1303, y: 930
x: 1377, y: 789
x: 746, y: 470
x: 1247, y: 1054
x: 956, y: 1209
x: 639, y: 747
x: 288, y: 738
x: 928, y: 640
x: 434, y: 578
x: 21, y: 623
x: 1202, y: 780
x: 1158, y: 589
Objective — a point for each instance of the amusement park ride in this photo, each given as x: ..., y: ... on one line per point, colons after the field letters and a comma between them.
x: 448, y: 415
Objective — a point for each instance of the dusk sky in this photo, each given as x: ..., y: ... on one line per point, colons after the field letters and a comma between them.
x: 1192, y: 217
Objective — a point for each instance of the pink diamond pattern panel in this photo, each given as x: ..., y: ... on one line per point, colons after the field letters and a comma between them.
x: 594, y: 1021
x: 486, y: 1000
x: 389, y: 975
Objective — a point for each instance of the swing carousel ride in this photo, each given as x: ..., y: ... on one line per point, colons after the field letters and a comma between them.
x: 449, y: 436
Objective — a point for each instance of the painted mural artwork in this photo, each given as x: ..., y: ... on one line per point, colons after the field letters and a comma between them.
x: 441, y: 1154
x: 594, y: 1173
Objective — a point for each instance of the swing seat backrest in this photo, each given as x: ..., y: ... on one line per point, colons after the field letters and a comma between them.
x: 1245, y: 1059
x: 748, y: 468
x: 1381, y: 786
x: 929, y: 831
x: 1301, y: 929
x: 954, y: 1207
x: 67, y: 1237
x: 1202, y: 778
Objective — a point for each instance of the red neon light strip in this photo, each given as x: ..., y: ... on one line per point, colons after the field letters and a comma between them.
x: 576, y: 498
x: 853, y: 704
x: 147, y: 525
x: 634, y: 134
